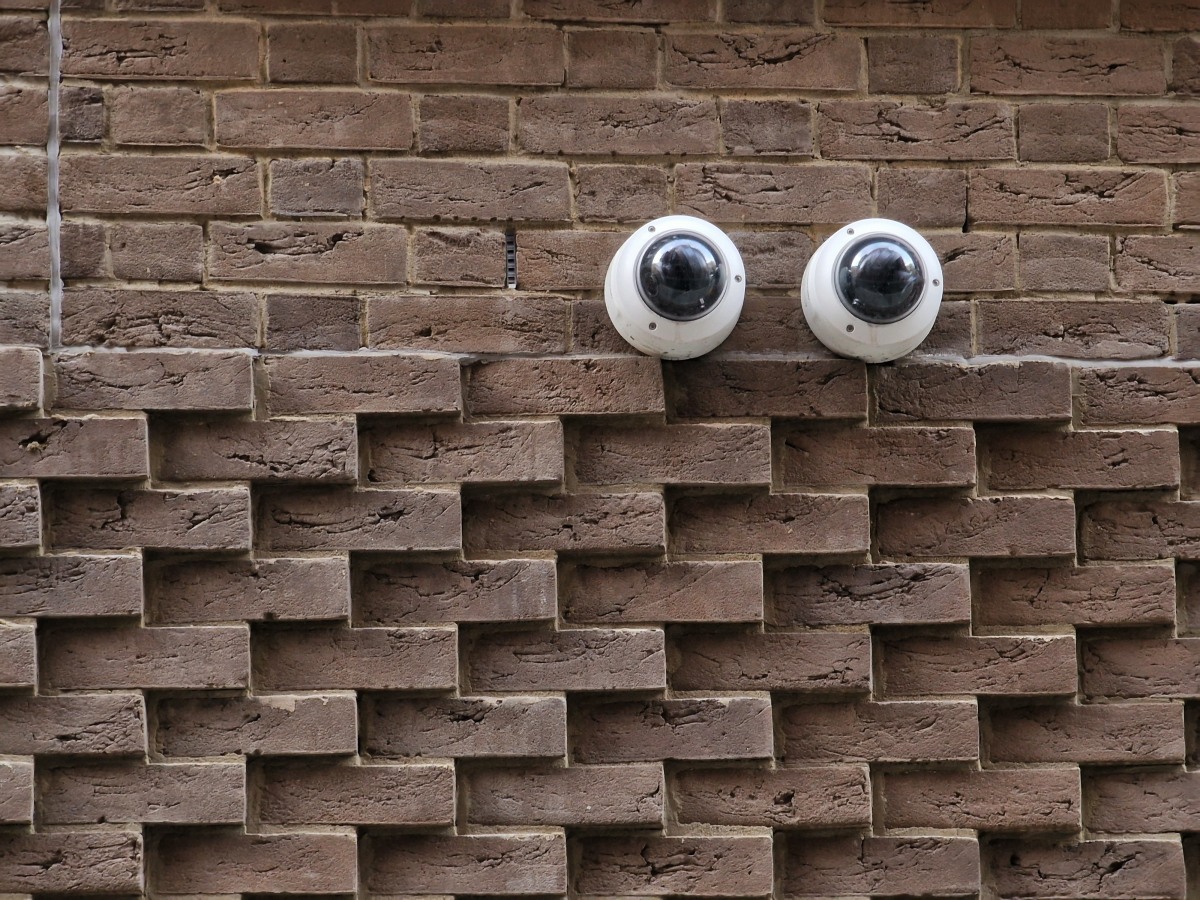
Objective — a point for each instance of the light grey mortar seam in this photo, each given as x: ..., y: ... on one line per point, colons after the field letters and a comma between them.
x: 53, y: 212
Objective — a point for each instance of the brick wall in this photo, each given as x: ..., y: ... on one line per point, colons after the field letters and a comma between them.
x: 328, y: 565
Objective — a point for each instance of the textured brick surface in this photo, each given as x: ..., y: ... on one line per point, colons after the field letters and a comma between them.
x: 331, y: 564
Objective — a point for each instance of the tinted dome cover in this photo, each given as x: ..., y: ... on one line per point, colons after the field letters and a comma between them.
x: 879, y: 279
x: 680, y: 277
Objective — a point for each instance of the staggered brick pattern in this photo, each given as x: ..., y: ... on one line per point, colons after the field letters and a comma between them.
x: 330, y: 565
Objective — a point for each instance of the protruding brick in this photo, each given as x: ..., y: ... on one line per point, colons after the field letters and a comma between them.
x: 1075, y: 198
x: 1035, y: 64
x: 762, y: 192
x: 468, y: 324
x: 151, y: 318
x: 154, y: 380
x: 595, y: 523
x: 132, y: 793
x: 1091, y: 734
x: 160, y: 49
x: 870, y: 595
x: 279, y: 450
x: 1078, y: 329
x: 589, y: 659
x: 1156, y: 133
x: 977, y: 262
x: 313, y: 251
x: 104, y: 862
x: 995, y: 799
x: 564, y: 260
x: 1148, y: 667
x: 652, y: 124
x: 1082, y: 460
x: 16, y: 793
x: 1008, y: 391
x: 52, y: 586
x: 222, y: 862
x: 805, y: 389
x: 1158, y: 262
x: 587, y: 796
x: 778, y: 60
x: 771, y: 523
x: 497, y: 864
x: 18, y: 657
x: 451, y: 190
x: 466, y: 727
x: 73, y: 725
x: 822, y: 662
x: 825, y: 797
x: 921, y: 666
x: 428, y: 593
x: 692, y: 866
x: 1140, y: 529
x: 20, y: 517
x: 881, y: 866
x: 604, y: 11
x: 272, y: 725
x: 675, y: 454
x: 853, y: 456
x: 355, y: 659
x: 1126, y: 868
x: 485, y: 452
x: 1093, y: 596
x: 315, y: 794
x: 466, y: 54
x: 697, y: 729
x: 1151, y: 802
x: 369, y: 383
x: 1139, y: 395
x: 21, y: 381
x: 663, y: 592
x: 166, y: 520
x: 880, y: 732
x: 924, y: 197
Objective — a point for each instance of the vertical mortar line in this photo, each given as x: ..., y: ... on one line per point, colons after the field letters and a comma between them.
x: 53, y: 213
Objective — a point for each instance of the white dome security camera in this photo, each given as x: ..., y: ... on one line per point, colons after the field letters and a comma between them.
x: 872, y: 290
x: 675, y: 288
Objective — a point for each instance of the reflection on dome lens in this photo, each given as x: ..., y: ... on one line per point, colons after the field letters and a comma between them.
x: 680, y: 277
x: 880, y: 279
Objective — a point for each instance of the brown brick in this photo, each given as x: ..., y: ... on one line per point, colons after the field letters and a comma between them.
x: 1064, y: 132
x: 825, y: 797
x: 83, y: 250
x: 468, y: 123
x: 231, y: 450
x: 132, y: 793
x: 318, y: 120
x: 18, y: 657
x: 775, y: 523
x: 881, y: 866
x: 49, y: 586
x: 474, y: 324
x: 1187, y: 199
x: 587, y: 796
x: 793, y: 12
x: 1010, y: 391
x: 692, y: 866
x: 818, y: 662
x: 1187, y: 332
x: 24, y: 44
x: 1153, y: 802
x: 16, y: 793
x: 1185, y: 66
x: 1094, y: 596
x: 432, y: 593
x: 697, y: 729
x: 1128, y: 868
x: 594, y: 523
x: 816, y: 389
x: 23, y: 183
x: 912, y: 64
x: 920, y: 666
x: 194, y: 592
x: 24, y: 252
x: 984, y: 14
x: 1139, y: 395
x: 870, y: 595
x: 855, y: 456
x: 497, y: 864
x: 473, y: 257
x: 362, y: 384
x: 608, y: 11
x: 566, y: 386
x: 26, y: 319
x: 1064, y: 262
x: 880, y: 732
x: 446, y: 189
x: 649, y: 124
x: 663, y: 592
x: 151, y: 251
x: 81, y: 114
x: 1000, y: 800
x: 73, y: 448
x: 220, y: 862
x: 1072, y: 198
x: 154, y: 318
x: 467, y: 727
x: 1082, y: 460
x: 274, y: 725
x: 924, y: 197
x: 352, y: 659
x: 590, y: 659
x: 1134, y: 529
x: 560, y: 260
x: 1035, y: 64
x: 309, y: 794
x: 80, y: 725
x: 803, y: 60
x: 1148, y: 667
x: 968, y: 526
x: 20, y: 517
x: 1087, y: 14
x: 1092, y: 734
x: 466, y: 54
x: 1159, y: 15
x: 1122, y: 329
x: 23, y: 114
x: 160, y: 49
x: 317, y: 187
x: 766, y: 127
x: 154, y: 380
x: 620, y: 193
x: 674, y: 454
x: 484, y: 452
x: 161, y: 117
x: 763, y: 192
x: 343, y: 519
x: 976, y: 262
x: 1165, y: 263
x: 21, y: 381
x: 312, y: 51
x: 98, y: 861
x: 313, y: 322
x: 1158, y: 134
x: 854, y: 129
x: 773, y: 259
x: 167, y: 520
x: 612, y: 58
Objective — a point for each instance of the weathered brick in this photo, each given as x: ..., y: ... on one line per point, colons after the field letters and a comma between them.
x: 588, y: 796
x: 151, y: 251
x: 585, y: 124
x: 976, y: 262
x: 856, y: 129
x: 1165, y: 263
x: 83, y: 250
x: 24, y: 252
x: 1003, y: 391
x: 560, y: 260
x: 870, y: 595
x: 765, y: 192
x: 358, y: 658
x: 612, y: 58
x: 566, y: 386
x: 674, y: 454
x: 167, y: 520
x: 483, y: 452
x: 18, y: 657
x: 23, y: 183
x: 81, y: 113
x: 1140, y: 529
x: 1158, y: 134
x: 620, y: 193
x: 1150, y: 667
x: 924, y: 197
x: 20, y: 517
x: 985, y: 14
x: 793, y: 12
x: 23, y: 112
x: 73, y: 448
x: 317, y: 187
x: 773, y: 259
x: 342, y: 519
x: 1185, y: 66
x: 446, y: 189
x: 72, y: 862
x: 25, y: 45
x: 786, y: 60
x: 318, y: 120
x: 817, y: 662
x: 880, y: 732
x: 1002, y: 800
x: 474, y: 324
x: 825, y: 797
x: 805, y: 389
x: 312, y: 51
x: 663, y: 592
x: 313, y: 251
x: 497, y: 864
x: 273, y: 725
x: 692, y: 866
x: 1035, y: 64
x: 278, y: 450
x: 590, y: 659
x: 1159, y: 15
x: 844, y: 456
x: 314, y: 794
x: 154, y: 380
x: 1151, y: 802
x: 262, y: 590
x: 214, y: 861
x: 1127, y: 868
x: 912, y: 64
x: 1082, y: 460
x: 697, y: 729
x: 1091, y: 734
x: 468, y: 123
x: 1072, y: 198
x: 466, y: 727
x: 1139, y: 395
x: 16, y: 792
x: 593, y: 523
x: 132, y: 793
x: 21, y: 381
x: 474, y: 257
x: 313, y: 322
x: 921, y: 666
x: 1064, y: 132
x: 610, y: 11
x: 51, y: 586
x: 160, y: 49
x: 881, y: 866
x: 1093, y: 596
x: 1088, y: 14
x: 774, y: 523
x: 1187, y: 199
x: 466, y: 54
x: 1064, y: 262
x: 362, y: 384
x: 153, y: 318
x: 26, y: 319
x: 176, y: 116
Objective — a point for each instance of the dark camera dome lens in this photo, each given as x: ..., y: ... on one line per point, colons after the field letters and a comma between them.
x: 680, y: 277
x: 880, y: 279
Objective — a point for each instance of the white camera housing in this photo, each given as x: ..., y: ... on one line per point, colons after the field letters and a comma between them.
x: 872, y: 290
x: 675, y: 288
